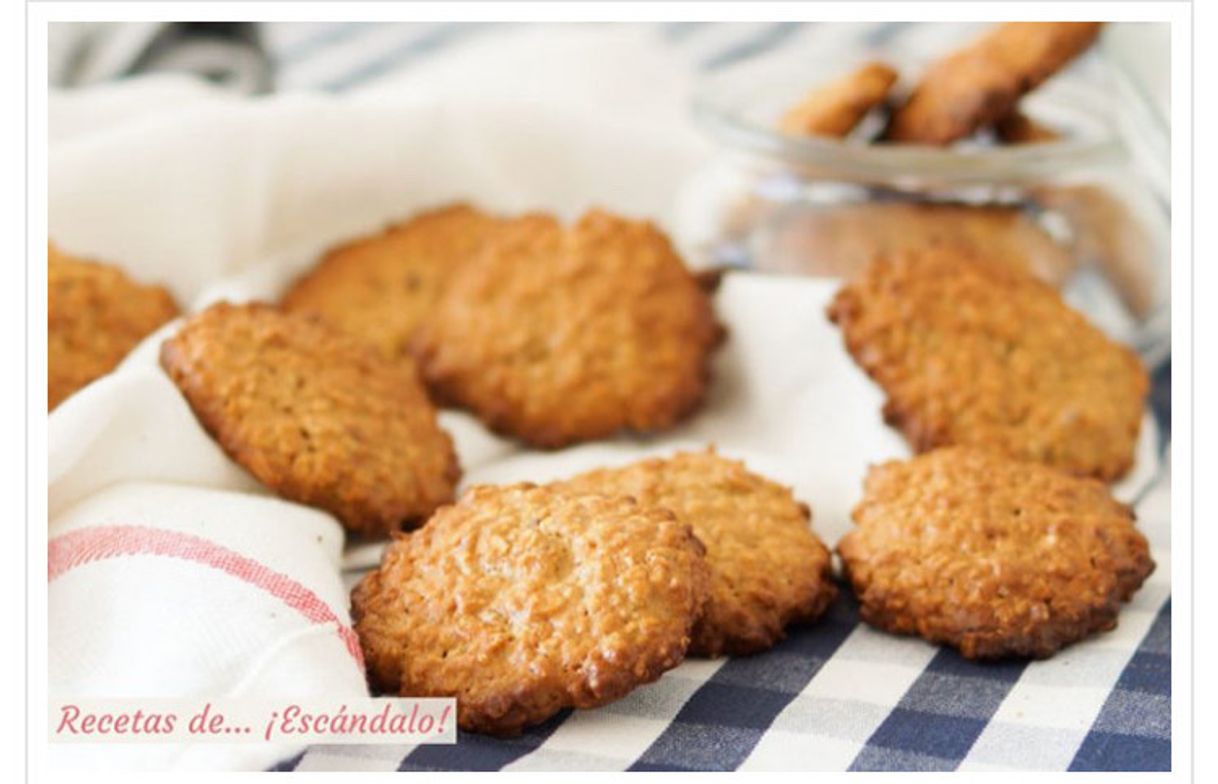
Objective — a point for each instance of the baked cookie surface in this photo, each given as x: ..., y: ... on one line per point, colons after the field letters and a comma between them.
x: 520, y: 601
x: 379, y: 288
x: 314, y: 414
x: 768, y: 569
x: 555, y: 335
x: 993, y: 556
x: 982, y: 82
x: 984, y: 355
x: 834, y: 109
x: 95, y: 316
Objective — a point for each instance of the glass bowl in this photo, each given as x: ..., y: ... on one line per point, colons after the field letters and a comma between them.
x: 1089, y: 210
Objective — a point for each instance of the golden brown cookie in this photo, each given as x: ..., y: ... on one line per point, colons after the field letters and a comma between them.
x: 556, y: 335
x: 984, y: 355
x: 95, y: 316
x: 380, y: 288
x: 993, y: 556
x: 768, y: 570
x: 314, y: 414
x: 841, y: 240
x: 520, y: 601
x: 982, y: 82
x: 835, y: 108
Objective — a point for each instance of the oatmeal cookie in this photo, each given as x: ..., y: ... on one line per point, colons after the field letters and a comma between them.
x: 768, y: 569
x: 556, y: 335
x: 982, y: 82
x: 380, y: 288
x: 993, y: 556
x: 315, y: 415
x: 835, y: 108
x: 95, y: 316
x: 520, y: 601
x: 984, y: 355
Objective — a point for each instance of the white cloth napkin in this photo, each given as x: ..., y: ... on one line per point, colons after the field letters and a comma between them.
x: 161, y: 590
x: 168, y: 562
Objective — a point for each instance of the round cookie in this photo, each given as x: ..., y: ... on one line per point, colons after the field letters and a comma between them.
x: 521, y: 601
x: 315, y: 415
x: 985, y: 355
x: 380, y: 288
x: 993, y: 556
x: 768, y: 569
x: 95, y: 316
x: 556, y: 335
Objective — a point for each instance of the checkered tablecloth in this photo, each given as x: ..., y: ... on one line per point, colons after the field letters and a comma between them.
x: 836, y: 695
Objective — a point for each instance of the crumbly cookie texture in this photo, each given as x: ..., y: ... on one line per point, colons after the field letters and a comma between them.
x: 768, y: 569
x: 380, y: 288
x: 982, y: 82
x: 993, y: 556
x: 520, y: 601
x: 556, y: 335
x: 95, y: 316
x: 984, y: 355
x: 315, y: 415
x: 836, y: 108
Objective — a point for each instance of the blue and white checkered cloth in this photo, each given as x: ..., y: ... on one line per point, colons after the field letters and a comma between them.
x: 836, y: 695
x: 841, y: 696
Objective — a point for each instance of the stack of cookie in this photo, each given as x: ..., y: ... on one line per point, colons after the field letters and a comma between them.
x: 520, y: 600
x: 523, y: 600
x: 973, y: 96
x: 977, y: 88
x: 549, y: 334
x: 1001, y: 540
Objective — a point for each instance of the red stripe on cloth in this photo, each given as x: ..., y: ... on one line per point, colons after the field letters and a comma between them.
x: 87, y: 545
